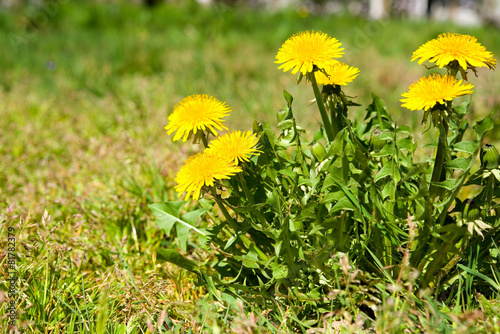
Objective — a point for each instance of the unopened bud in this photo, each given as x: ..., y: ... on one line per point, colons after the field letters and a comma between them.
x: 489, y: 157
x: 318, y: 151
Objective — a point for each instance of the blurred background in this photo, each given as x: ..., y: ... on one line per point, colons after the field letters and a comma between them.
x: 466, y: 12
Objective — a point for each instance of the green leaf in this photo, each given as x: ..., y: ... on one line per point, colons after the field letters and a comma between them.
x: 388, y: 149
x: 318, y: 135
x: 447, y: 184
x: 277, y: 247
x: 173, y: 256
x: 459, y: 163
x: 378, y: 114
x: 288, y: 97
x: 167, y: 214
x: 405, y: 144
x: 250, y: 259
x: 386, y: 135
x: 483, y: 126
x: 286, y: 124
x: 496, y: 173
x: 279, y: 270
x: 478, y: 274
x: 182, y: 232
x: 388, y: 190
x: 291, y: 174
x: 332, y: 197
x: 389, y: 169
x: 211, y: 286
x: 462, y: 109
x: 295, y: 225
x: 190, y: 218
x: 273, y: 200
x: 403, y: 129
x: 343, y: 204
x: 337, y: 146
x: 353, y: 199
x: 466, y: 146
x: 377, y: 105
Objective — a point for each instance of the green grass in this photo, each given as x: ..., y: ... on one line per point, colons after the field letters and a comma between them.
x: 84, y: 97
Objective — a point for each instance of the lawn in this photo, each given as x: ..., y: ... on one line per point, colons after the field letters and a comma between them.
x: 85, y: 93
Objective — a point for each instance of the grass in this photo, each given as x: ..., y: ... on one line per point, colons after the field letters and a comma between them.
x: 84, y: 96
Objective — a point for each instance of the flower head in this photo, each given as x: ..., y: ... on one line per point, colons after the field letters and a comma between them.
x: 427, y: 92
x: 338, y: 74
x: 236, y: 146
x: 455, y: 47
x: 201, y: 170
x: 304, y: 50
x: 197, y: 112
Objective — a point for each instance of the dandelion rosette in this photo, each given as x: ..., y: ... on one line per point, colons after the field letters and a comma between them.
x: 338, y: 74
x: 449, y: 47
x: 235, y: 146
x: 203, y: 169
x: 304, y: 50
x: 195, y: 113
x: 434, y: 89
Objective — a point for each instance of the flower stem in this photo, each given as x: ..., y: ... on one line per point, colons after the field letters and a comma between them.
x: 440, y: 157
x: 245, y: 188
x: 454, y: 70
x: 228, y: 217
x: 335, y: 123
x: 321, y: 107
x: 204, y: 139
x: 245, y: 241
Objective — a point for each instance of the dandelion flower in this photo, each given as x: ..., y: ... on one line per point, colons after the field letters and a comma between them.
x: 203, y: 169
x: 429, y: 91
x: 338, y: 74
x: 194, y: 113
x: 304, y: 50
x: 236, y: 146
x: 455, y: 47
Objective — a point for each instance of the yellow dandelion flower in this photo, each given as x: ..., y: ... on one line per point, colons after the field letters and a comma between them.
x: 427, y: 92
x: 197, y: 112
x: 338, y: 74
x: 304, y: 50
x: 201, y: 170
x: 449, y: 47
x: 236, y: 146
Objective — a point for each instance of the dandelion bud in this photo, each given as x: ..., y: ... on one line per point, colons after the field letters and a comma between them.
x: 318, y: 151
x: 489, y: 157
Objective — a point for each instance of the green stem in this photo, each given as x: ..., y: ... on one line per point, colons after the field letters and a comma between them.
x: 434, y: 191
x: 440, y: 158
x: 204, y: 139
x: 454, y: 71
x: 388, y: 253
x: 245, y: 188
x: 246, y: 242
x: 321, y: 107
x: 335, y: 124
x: 226, y: 214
